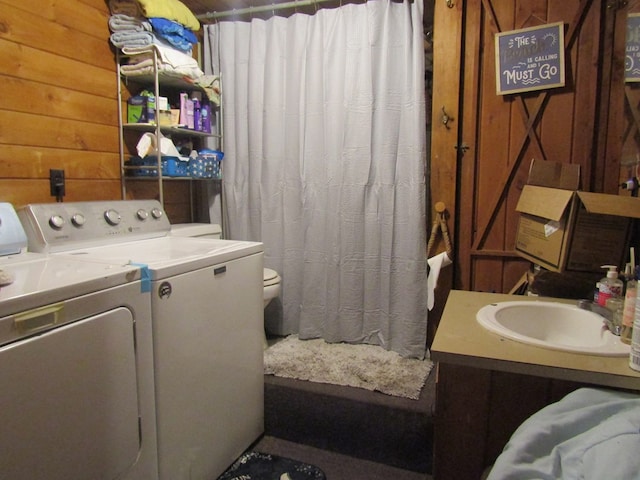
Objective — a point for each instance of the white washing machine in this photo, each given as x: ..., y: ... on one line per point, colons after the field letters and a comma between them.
x: 76, y: 376
x: 206, y: 302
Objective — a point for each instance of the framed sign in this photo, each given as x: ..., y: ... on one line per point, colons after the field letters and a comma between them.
x: 530, y: 59
x: 632, y: 55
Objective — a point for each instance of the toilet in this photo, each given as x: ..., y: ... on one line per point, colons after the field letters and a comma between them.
x: 270, y: 277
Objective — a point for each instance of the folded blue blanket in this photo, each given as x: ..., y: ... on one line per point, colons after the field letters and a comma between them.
x: 174, y: 33
x: 590, y: 434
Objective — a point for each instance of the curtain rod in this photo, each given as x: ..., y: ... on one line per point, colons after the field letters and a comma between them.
x: 261, y: 8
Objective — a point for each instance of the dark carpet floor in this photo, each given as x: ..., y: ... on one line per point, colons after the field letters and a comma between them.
x: 335, y: 465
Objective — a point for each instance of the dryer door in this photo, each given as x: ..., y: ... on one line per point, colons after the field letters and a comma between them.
x: 69, y: 402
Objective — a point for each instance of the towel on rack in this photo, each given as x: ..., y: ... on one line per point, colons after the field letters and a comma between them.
x: 173, y: 10
x: 126, y: 38
x: 126, y: 7
x: 211, y: 86
x: 121, y: 22
x: 170, y: 62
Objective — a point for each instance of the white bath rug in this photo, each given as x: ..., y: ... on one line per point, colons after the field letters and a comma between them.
x: 364, y: 366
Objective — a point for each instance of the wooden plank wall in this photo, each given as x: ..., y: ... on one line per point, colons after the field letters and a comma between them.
x: 496, y: 166
x: 58, y: 107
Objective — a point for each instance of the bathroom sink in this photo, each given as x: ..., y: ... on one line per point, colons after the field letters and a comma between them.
x: 552, y: 325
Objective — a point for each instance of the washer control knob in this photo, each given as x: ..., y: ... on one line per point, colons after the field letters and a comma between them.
x: 78, y: 220
x: 56, y: 222
x: 112, y: 217
x: 142, y: 214
x: 156, y: 213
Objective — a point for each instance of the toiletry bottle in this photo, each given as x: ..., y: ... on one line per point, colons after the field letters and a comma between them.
x: 628, y: 314
x: 197, y: 124
x: 609, y: 286
x: 183, y: 109
x: 189, y: 114
x: 634, y: 352
x: 205, y: 117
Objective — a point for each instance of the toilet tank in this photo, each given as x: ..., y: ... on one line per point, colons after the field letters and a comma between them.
x: 206, y: 230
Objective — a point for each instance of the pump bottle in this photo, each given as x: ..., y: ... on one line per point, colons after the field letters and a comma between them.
x: 610, y: 286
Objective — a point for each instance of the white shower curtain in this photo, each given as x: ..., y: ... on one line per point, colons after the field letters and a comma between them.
x: 324, y: 139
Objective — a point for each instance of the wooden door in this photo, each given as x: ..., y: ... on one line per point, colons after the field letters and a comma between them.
x: 480, y: 159
x: 625, y: 106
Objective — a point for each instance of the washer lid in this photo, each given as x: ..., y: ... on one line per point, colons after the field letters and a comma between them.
x: 37, y: 279
x: 195, y: 229
x: 170, y: 255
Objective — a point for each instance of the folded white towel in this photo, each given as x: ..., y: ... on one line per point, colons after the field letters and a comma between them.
x: 167, y: 55
x: 170, y: 62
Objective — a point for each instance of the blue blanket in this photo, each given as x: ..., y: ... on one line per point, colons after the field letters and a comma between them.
x: 590, y: 434
x: 178, y: 36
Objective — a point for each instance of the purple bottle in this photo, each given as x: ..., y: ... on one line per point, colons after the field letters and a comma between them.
x: 205, y: 117
x: 197, y: 123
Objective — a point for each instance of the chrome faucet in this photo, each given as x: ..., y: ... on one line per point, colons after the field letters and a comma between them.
x: 604, y: 312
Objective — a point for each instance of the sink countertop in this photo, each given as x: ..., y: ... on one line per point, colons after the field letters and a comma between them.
x: 461, y: 340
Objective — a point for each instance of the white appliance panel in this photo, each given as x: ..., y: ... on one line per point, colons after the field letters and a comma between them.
x: 55, y: 227
x: 207, y: 314
x: 208, y: 330
x: 69, y: 402
x: 76, y: 354
x: 167, y: 256
x: 41, y: 279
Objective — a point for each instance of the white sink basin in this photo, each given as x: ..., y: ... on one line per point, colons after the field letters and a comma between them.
x: 552, y: 325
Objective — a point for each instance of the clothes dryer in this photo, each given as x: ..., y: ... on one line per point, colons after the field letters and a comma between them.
x: 76, y: 383
x: 206, y: 302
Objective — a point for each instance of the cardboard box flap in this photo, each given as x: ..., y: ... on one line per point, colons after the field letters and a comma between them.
x: 554, y: 175
x: 553, y: 207
x: 610, y: 204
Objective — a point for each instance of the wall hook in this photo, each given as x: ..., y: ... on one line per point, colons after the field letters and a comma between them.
x: 463, y: 147
x: 445, y: 118
x: 450, y: 3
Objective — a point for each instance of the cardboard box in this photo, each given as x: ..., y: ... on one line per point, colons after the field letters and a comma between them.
x: 568, y: 230
x: 165, y: 117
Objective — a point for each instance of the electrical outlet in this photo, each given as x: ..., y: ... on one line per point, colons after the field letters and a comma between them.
x: 56, y: 183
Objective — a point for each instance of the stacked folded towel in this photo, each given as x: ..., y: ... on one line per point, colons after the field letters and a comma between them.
x: 140, y: 23
x: 170, y: 62
x: 121, y: 22
x: 165, y: 29
x: 127, y: 7
x: 130, y: 31
x: 131, y: 26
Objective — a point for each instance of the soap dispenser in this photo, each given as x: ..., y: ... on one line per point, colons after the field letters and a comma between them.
x: 610, y: 286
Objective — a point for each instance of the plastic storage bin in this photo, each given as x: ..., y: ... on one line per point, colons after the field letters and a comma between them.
x: 206, y: 164
x: 171, y: 166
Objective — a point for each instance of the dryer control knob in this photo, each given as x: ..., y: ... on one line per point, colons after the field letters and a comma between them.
x: 142, y: 214
x: 112, y: 217
x: 78, y: 220
x: 56, y: 222
x: 156, y: 213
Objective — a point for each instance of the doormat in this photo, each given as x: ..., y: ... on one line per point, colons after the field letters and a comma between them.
x: 363, y: 366
x: 262, y: 466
